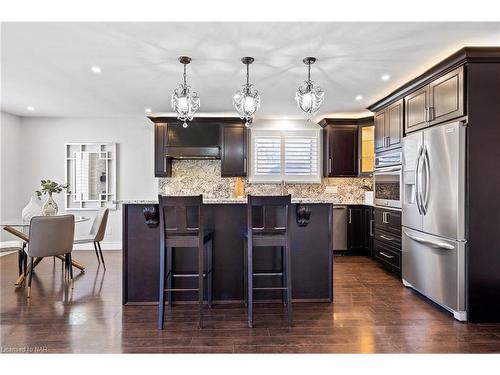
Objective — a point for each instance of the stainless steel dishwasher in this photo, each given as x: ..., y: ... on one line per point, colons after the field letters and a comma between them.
x: 340, y: 228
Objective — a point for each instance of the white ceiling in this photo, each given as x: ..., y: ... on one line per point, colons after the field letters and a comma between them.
x: 47, y: 65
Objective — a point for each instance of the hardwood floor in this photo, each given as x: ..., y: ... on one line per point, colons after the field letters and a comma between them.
x: 372, y: 313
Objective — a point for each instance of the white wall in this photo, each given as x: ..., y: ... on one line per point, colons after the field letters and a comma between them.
x: 11, y: 202
x: 43, y: 142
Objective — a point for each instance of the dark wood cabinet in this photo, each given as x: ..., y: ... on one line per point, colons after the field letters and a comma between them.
x: 440, y: 100
x: 447, y: 97
x: 389, y: 127
x: 340, y: 150
x: 390, y: 257
x: 234, y: 151
x: 163, y: 165
x: 355, y: 237
x: 368, y: 227
x: 388, y: 220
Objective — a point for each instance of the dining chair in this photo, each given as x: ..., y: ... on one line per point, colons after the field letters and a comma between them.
x: 96, y: 234
x: 50, y: 236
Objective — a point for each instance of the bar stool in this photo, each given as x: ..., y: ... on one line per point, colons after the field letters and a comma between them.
x: 272, y: 231
x: 181, y: 226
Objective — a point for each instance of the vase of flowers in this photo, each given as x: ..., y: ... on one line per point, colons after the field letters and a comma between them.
x: 49, y: 187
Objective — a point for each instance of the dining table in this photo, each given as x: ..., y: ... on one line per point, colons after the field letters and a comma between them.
x: 20, y: 229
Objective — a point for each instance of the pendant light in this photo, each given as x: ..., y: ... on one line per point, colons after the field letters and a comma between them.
x: 247, y: 100
x: 309, y: 97
x: 184, y: 101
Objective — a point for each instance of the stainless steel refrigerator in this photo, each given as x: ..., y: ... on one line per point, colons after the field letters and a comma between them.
x: 433, y: 215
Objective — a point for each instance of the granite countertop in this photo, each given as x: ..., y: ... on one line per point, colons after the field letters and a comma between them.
x: 244, y: 201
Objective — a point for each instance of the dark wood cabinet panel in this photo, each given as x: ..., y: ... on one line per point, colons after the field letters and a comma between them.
x: 388, y: 256
x: 394, y: 125
x: 447, y: 97
x: 163, y: 166
x: 388, y: 220
x: 389, y: 127
x: 416, y: 105
x: 234, y: 151
x: 368, y: 227
x: 380, y: 131
x: 441, y: 100
x: 355, y: 237
x: 340, y: 151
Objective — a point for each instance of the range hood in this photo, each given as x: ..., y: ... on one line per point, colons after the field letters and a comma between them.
x: 197, y: 141
x: 192, y: 153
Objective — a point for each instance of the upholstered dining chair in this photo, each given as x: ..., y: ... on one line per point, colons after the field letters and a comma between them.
x: 50, y: 236
x: 96, y: 234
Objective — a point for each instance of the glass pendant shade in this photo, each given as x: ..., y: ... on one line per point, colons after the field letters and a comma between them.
x: 309, y: 98
x: 247, y: 100
x: 184, y: 101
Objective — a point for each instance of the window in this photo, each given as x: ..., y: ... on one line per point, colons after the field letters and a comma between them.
x: 292, y: 156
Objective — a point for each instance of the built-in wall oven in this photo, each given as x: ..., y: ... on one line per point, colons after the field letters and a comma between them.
x: 388, y: 180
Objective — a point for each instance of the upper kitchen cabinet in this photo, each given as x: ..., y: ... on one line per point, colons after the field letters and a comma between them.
x: 221, y: 138
x: 389, y: 127
x: 234, y: 151
x: 366, y: 146
x: 340, y: 147
x: 440, y: 100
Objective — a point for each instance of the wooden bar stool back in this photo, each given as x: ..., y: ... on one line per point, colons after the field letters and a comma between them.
x: 268, y: 221
x: 181, y: 226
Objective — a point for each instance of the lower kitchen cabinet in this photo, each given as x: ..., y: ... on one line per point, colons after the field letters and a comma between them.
x: 368, y: 227
x: 387, y: 238
x: 389, y: 256
x: 355, y: 228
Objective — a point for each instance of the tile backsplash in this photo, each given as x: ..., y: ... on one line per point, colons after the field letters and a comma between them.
x: 193, y: 177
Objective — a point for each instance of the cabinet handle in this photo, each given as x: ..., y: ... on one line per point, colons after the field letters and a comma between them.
x: 386, y: 238
x: 329, y: 165
x: 371, y: 228
x: 431, y: 113
x: 165, y: 164
x: 426, y: 114
x: 386, y: 255
x: 244, y: 165
x: 350, y: 216
x: 384, y: 217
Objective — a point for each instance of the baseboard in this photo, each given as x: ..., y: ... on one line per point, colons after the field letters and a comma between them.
x: 104, y: 246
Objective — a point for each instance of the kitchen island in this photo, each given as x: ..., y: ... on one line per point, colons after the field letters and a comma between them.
x: 311, y: 250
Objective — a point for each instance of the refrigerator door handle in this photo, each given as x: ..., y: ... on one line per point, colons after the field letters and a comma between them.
x: 439, y: 245
x: 418, y: 179
x: 427, y: 173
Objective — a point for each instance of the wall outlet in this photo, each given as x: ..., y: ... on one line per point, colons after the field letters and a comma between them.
x: 331, y: 189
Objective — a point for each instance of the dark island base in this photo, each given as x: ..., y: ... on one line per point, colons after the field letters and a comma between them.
x: 312, y: 260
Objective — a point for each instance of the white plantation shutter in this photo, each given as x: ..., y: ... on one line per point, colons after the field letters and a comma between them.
x: 290, y: 155
x: 301, y: 157
x: 267, y: 156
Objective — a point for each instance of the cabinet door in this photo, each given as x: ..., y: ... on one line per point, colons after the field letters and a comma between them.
x: 366, y: 150
x: 416, y: 106
x: 234, y: 151
x: 447, y: 97
x: 163, y: 166
x: 343, y: 153
x: 355, y: 228
x: 394, y: 125
x: 368, y: 226
x: 379, y: 131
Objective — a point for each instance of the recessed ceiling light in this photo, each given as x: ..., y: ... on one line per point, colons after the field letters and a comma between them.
x: 147, y: 110
x: 30, y: 108
x: 96, y: 69
x: 385, y: 77
x: 358, y: 97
